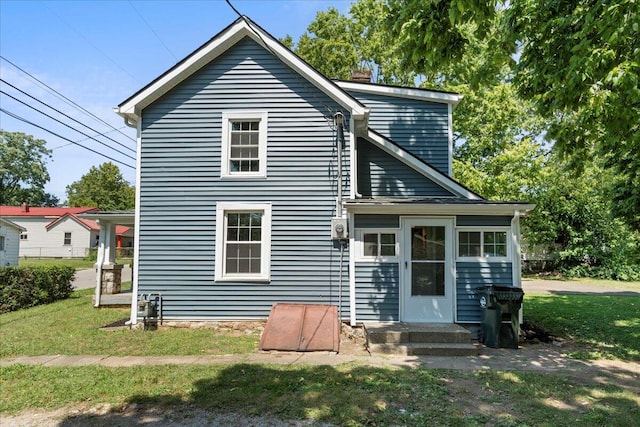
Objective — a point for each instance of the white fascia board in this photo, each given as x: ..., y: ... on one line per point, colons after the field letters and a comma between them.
x: 426, y: 170
x: 131, y: 108
x: 403, y: 92
x: 437, y: 208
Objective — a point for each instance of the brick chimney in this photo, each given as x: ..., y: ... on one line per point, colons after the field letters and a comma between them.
x: 24, y: 206
x: 361, y: 76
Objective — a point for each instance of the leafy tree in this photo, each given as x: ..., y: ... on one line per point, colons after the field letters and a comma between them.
x: 23, y: 167
x: 103, y: 187
x: 579, y: 62
x: 337, y: 44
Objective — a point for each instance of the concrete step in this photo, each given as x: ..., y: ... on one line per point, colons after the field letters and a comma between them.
x: 404, y: 333
x: 425, y: 349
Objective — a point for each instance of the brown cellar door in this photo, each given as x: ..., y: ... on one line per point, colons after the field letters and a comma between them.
x: 302, y: 327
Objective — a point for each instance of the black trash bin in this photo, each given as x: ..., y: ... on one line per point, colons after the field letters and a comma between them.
x: 500, y: 307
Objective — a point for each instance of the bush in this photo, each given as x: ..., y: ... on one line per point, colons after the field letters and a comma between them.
x: 22, y: 287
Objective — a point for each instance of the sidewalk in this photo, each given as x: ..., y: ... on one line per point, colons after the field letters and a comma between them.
x: 541, y: 358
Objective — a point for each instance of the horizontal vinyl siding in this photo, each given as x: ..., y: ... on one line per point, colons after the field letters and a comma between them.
x: 181, y: 186
x: 377, y: 221
x: 483, y: 221
x: 377, y: 292
x: 420, y: 127
x: 382, y: 175
x: 471, y: 275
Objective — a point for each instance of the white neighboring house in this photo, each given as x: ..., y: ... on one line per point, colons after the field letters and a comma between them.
x: 9, y: 242
x: 52, y: 232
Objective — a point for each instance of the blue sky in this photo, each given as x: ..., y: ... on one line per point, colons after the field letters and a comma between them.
x: 98, y: 53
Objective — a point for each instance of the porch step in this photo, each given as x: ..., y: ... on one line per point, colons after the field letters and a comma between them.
x: 425, y: 349
x: 413, y: 339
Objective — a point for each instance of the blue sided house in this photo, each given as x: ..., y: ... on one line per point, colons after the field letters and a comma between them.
x: 261, y: 181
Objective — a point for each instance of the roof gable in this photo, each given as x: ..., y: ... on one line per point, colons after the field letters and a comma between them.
x: 421, y: 166
x: 6, y: 223
x: 89, y: 224
x: 243, y: 27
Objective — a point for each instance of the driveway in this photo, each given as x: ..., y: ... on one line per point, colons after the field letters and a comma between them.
x: 86, y: 279
x: 567, y: 287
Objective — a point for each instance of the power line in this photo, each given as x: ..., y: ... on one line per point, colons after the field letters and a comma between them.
x: 22, y: 119
x: 67, y: 100
x: 64, y: 124
x: 83, y: 139
x: 93, y: 45
x: 67, y: 116
x: 151, y: 29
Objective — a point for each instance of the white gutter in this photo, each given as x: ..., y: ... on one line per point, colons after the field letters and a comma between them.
x: 442, y: 208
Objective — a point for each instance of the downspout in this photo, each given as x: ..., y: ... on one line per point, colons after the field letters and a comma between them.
x: 339, y: 122
x: 516, y: 255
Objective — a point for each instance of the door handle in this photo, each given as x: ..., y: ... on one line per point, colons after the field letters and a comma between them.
x: 405, y: 265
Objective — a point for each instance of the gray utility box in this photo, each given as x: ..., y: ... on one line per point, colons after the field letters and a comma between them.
x: 500, y: 315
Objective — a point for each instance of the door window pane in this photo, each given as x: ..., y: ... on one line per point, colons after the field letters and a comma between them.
x: 427, y: 278
x: 427, y: 243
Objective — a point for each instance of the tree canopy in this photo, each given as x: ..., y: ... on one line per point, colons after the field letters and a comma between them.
x: 103, y: 187
x: 23, y: 167
x: 578, y: 61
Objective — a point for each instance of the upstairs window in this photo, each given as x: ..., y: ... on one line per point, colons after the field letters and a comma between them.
x: 483, y: 244
x: 24, y: 236
x: 244, y: 144
x: 67, y: 238
x: 1, y: 243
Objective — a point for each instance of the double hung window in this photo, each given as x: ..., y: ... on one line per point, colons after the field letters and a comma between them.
x: 243, y: 245
x: 244, y: 144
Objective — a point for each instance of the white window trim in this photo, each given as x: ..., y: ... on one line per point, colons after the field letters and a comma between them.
x: 359, y: 255
x: 482, y: 230
x: 265, y: 256
x: 227, y: 116
x: 64, y: 238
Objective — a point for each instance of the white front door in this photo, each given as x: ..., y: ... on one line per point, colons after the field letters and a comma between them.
x: 427, y: 289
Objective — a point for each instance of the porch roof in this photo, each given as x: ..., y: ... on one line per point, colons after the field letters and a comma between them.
x: 115, y: 217
x: 435, y: 206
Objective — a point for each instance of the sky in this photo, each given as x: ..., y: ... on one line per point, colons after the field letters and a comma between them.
x: 97, y: 54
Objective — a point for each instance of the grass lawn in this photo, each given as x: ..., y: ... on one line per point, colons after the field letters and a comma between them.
x: 604, y: 327
x: 71, y: 327
x: 346, y: 395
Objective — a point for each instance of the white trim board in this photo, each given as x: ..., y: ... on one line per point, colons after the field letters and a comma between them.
x: 131, y: 108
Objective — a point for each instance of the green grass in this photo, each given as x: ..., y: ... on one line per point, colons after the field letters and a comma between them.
x: 604, y: 327
x: 71, y: 327
x: 347, y: 395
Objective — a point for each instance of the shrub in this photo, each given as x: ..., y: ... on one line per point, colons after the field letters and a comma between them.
x: 22, y: 287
